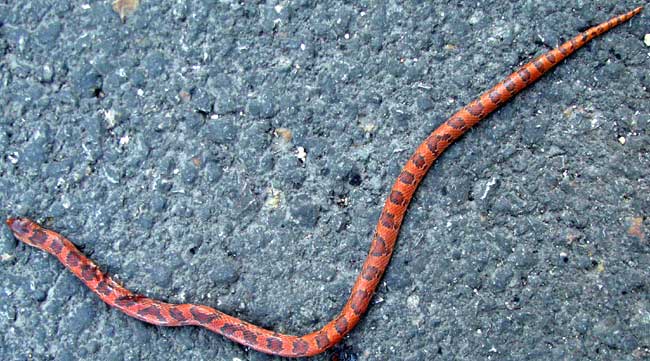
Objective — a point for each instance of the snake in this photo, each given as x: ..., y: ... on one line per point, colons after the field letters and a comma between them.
x: 161, y: 313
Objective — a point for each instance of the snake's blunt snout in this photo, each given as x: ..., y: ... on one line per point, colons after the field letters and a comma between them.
x: 23, y: 228
x: 18, y: 226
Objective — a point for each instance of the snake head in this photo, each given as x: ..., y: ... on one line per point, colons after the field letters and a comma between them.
x: 28, y: 231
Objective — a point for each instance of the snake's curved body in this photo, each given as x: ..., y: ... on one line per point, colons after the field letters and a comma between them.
x: 167, y: 314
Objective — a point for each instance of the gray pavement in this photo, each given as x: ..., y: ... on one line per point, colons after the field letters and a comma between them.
x: 237, y: 154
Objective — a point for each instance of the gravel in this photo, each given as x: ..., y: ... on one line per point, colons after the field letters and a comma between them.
x: 153, y: 145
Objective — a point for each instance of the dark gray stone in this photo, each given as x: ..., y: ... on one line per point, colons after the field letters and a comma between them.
x: 87, y: 81
x: 305, y: 215
x: 220, y: 131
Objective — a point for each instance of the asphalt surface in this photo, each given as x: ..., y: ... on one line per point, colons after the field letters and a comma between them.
x: 238, y: 154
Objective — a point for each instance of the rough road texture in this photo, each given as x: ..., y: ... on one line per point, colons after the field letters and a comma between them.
x: 541, y: 255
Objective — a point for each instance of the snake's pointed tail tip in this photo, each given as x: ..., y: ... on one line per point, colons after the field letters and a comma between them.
x: 637, y: 10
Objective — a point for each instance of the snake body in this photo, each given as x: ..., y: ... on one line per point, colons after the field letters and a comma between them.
x: 167, y: 314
